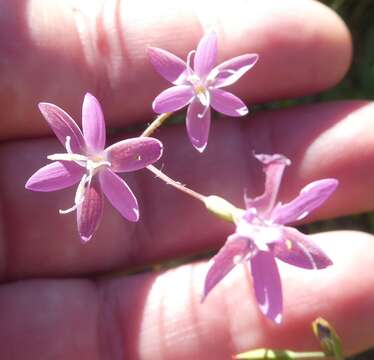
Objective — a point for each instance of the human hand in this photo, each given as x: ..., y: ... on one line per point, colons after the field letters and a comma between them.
x: 59, y: 298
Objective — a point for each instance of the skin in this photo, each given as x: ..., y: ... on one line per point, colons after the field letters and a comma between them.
x: 60, y: 299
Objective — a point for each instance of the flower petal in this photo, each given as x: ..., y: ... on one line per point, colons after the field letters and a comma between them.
x: 311, y: 197
x: 232, y: 70
x: 55, y: 176
x: 93, y: 123
x: 133, y: 154
x: 273, y: 166
x: 198, y: 125
x: 206, y: 54
x: 299, y: 250
x: 231, y: 254
x: 227, y: 103
x: 173, y: 99
x: 168, y: 65
x: 63, y: 125
x: 90, y: 211
x: 267, y: 285
x: 119, y: 194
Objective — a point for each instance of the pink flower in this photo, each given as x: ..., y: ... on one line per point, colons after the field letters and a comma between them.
x: 262, y: 235
x: 87, y: 162
x: 200, y: 86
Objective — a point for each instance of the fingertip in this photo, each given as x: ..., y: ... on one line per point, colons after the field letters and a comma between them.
x: 337, y: 45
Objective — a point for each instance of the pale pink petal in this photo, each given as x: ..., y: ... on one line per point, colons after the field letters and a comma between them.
x: 273, y: 166
x: 227, y: 103
x: 232, y: 70
x: 231, y: 254
x: 311, y: 197
x: 206, y: 54
x: 168, y: 65
x: 119, y: 195
x: 133, y: 154
x: 299, y: 250
x: 63, y: 126
x: 55, y: 176
x: 90, y: 211
x: 267, y: 285
x: 198, y: 125
x: 173, y: 99
x: 93, y: 123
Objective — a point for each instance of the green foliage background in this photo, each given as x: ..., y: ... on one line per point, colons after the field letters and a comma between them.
x: 359, y: 16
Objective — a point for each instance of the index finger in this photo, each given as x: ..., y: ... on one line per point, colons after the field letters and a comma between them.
x: 57, y: 51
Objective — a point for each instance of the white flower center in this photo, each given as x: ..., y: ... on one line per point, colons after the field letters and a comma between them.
x: 92, y: 164
x: 262, y: 232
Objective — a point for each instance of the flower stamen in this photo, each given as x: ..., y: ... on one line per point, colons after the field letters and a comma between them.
x: 79, y: 195
x: 205, y: 101
x: 188, y: 63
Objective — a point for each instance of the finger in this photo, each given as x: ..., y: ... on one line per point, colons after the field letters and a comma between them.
x: 67, y: 48
x: 159, y: 316
x: 37, y: 241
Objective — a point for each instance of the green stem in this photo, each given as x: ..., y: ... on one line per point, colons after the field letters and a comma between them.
x: 156, y: 123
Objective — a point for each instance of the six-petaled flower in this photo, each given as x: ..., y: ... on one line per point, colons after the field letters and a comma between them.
x: 199, y: 86
x: 88, y: 163
x: 262, y: 235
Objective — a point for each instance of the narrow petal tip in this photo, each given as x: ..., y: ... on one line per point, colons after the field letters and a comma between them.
x: 227, y: 103
x: 253, y: 58
x: 200, y: 148
x: 119, y: 195
x: 42, y: 105
x: 168, y: 65
x: 54, y: 176
x: 45, y: 106
x: 202, y: 298
x: 206, y: 54
x: 89, y: 95
x: 173, y: 99
x: 198, y: 128
x: 28, y: 185
x: 155, y: 107
x: 268, y: 159
x: 243, y: 111
x: 85, y: 239
x: 278, y: 319
x: 135, y: 215
x: 204, y: 295
x: 134, y: 154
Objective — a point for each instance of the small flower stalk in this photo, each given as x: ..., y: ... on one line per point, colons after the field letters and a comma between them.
x: 93, y: 167
x: 198, y: 83
x: 262, y: 235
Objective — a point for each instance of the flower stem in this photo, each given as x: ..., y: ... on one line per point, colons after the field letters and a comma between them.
x: 176, y: 184
x: 156, y: 123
